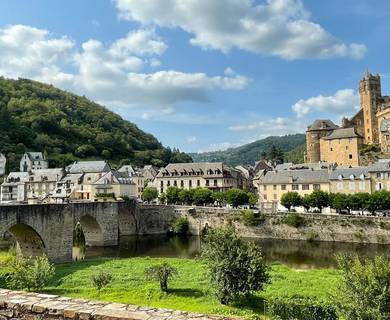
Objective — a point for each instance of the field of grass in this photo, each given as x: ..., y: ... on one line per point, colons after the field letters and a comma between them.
x: 189, y: 291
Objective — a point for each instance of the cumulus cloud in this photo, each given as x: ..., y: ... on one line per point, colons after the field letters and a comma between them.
x: 277, y: 27
x: 106, y: 72
x: 343, y: 101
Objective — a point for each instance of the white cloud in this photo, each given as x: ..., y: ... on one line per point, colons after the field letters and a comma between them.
x: 276, y: 27
x: 106, y: 72
x: 191, y: 139
x: 154, y: 63
x: 342, y: 102
x: 221, y: 146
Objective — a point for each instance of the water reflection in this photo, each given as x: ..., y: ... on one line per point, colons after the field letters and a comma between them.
x: 296, y: 254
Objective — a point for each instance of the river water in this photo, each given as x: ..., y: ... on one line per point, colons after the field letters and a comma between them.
x: 296, y: 254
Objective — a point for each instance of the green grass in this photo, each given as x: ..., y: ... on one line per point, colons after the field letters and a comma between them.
x: 189, y: 291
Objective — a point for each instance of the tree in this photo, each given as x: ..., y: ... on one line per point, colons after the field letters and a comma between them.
x: 358, y: 201
x: 186, y: 196
x: 172, y: 195
x: 236, y: 197
x: 290, y: 200
x: 306, y: 202
x: 149, y: 194
x: 219, y: 197
x: 162, y: 273
x: 378, y: 200
x: 202, y: 196
x: 101, y: 280
x: 236, y: 266
x: 339, y: 201
x: 31, y: 274
x: 319, y: 199
x: 181, y: 226
x: 364, y: 292
x: 252, y: 199
x: 162, y: 198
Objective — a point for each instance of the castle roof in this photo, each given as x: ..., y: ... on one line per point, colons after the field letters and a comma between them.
x: 342, y: 133
x: 322, y: 125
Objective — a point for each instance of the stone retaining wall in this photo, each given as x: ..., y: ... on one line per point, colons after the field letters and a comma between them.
x: 30, y: 306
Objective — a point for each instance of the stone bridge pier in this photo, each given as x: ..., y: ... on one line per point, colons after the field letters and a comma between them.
x: 48, y: 228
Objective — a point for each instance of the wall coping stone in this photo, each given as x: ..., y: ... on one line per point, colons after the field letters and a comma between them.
x: 28, y: 305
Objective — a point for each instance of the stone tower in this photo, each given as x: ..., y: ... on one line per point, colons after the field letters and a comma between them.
x: 370, y: 95
x: 317, y: 130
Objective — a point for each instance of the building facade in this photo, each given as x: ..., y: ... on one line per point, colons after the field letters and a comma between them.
x: 380, y: 175
x: 13, y: 189
x: 3, y: 162
x: 350, y: 180
x: 41, y: 184
x: 214, y: 176
x: 33, y: 161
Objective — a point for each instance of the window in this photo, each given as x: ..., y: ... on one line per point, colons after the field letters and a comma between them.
x: 190, y: 183
x: 215, y: 183
x: 275, y: 196
x: 350, y: 156
x: 265, y: 197
x: 265, y: 188
x: 283, y: 187
x: 207, y: 183
x: 295, y: 187
x: 331, y: 149
x: 198, y: 183
x: 305, y: 187
x: 346, y: 147
x: 182, y: 183
x: 316, y: 186
x: 275, y: 187
x: 379, y: 186
x: 175, y: 183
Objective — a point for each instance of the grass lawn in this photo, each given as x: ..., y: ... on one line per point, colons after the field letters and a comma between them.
x: 190, y: 290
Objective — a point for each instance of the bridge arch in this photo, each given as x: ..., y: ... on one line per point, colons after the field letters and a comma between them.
x: 29, y: 243
x: 92, y: 230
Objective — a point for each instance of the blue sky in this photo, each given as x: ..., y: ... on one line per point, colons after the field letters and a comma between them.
x: 202, y: 75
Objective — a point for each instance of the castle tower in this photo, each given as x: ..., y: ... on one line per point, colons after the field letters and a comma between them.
x: 317, y: 130
x: 370, y: 95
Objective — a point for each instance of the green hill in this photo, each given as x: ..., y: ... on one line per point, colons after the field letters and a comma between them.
x: 39, y: 117
x: 291, y: 147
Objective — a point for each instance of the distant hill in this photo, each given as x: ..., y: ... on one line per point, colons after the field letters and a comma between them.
x: 38, y: 117
x: 292, y: 146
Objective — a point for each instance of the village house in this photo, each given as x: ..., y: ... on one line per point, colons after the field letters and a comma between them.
x: 41, y: 184
x: 33, y: 161
x: 136, y: 176
x: 13, y: 189
x: 380, y: 175
x: 214, y: 176
x: 3, y: 162
x: 350, y: 180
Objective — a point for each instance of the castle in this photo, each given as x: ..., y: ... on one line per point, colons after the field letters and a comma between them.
x: 326, y: 141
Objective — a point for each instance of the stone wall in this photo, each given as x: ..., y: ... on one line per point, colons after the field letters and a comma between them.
x: 22, y: 305
x: 319, y: 227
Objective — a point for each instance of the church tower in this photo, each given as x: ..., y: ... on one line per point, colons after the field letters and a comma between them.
x: 370, y: 96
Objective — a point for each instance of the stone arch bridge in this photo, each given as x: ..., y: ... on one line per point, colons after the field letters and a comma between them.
x: 48, y: 228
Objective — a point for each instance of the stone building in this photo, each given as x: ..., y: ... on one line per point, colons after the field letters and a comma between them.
x: 342, y: 146
x: 371, y: 125
x: 380, y: 175
x: 3, y: 162
x: 350, y: 180
x: 33, y: 161
x: 214, y: 176
x: 275, y: 183
x: 13, y: 189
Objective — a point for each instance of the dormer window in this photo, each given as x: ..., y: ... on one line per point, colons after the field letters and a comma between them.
x: 340, y: 177
x: 352, y: 177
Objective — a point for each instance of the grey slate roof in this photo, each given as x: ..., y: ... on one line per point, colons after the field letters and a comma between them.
x: 342, y: 133
x: 380, y: 166
x: 191, y: 169
x: 298, y: 176
x: 35, y: 156
x: 347, y: 173
x: 46, y: 175
x: 302, y: 166
x: 322, y: 125
x: 89, y: 166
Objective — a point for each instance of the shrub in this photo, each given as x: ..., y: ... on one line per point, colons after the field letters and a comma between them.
x: 294, y: 220
x: 300, y: 308
x: 162, y: 273
x: 312, y: 236
x: 101, y: 280
x: 31, y: 274
x: 181, y: 226
x: 236, y: 266
x: 251, y: 218
x: 364, y: 292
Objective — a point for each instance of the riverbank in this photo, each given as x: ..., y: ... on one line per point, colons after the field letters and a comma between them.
x: 189, y: 291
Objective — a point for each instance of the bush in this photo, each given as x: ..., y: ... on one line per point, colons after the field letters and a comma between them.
x: 31, y: 274
x: 300, y: 308
x: 294, y: 220
x: 181, y: 226
x: 162, y: 273
x: 101, y: 280
x: 236, y: 266
x: 364, y: 292
x: 251, y: 218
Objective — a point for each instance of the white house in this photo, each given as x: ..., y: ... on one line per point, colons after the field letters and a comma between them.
x: 33, y: 161
x: 13, y: 189
x: 3, y: 161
